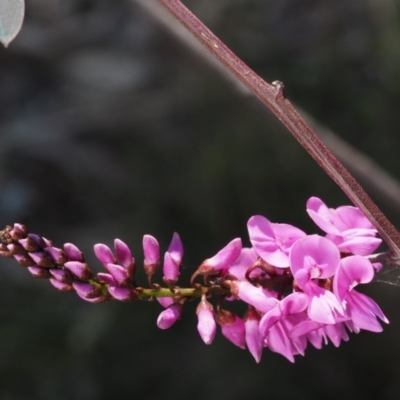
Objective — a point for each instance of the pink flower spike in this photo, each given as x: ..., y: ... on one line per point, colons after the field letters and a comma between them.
x: 104, y: 254
x: 118, y: 273
x: 206, y: 324
x: 254, y: 340
x: 169, y: 316
x: 223, y: 259
x: 232, y: 327
x: 175, y: 249
x: 73, y: 253
x: 170, y: 269
x: 272, y: 242
x: 124, y: 256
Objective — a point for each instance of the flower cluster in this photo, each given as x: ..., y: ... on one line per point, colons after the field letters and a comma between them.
x: 298, y: 288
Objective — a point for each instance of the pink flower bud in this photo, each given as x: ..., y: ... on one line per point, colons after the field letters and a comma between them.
x: 151, y: 251
x: 169, y: 316
x: 223, y: 259
x: 232, y: 327
x: 206, y: 324
x: 41, y: 273
x: 79, y: 269
x: 73, y: 253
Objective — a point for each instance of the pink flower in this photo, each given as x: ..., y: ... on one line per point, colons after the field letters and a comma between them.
x: 312, y: 258
x: 272, y: 242
x: 276, y: 325
x: 362, y: 310
x: 346, y: 226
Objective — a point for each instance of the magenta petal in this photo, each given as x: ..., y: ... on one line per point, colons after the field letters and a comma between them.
x: 118, y: 273
x: 260, y: 229
x: 269, y: 319
x: 323, y: 306
x: 120, y: 293
x: 123, y: 254
x: 165, y: 301
x: 169, y: 316
x: 64, y: 287
x: 73, y: 253
x: 336, y: 333
x: 106, y: 278
x: 170, y: 269
x: 104, y: 254
x: 362, y: 246
x: 352, y: 270
x: 246, y: 259
x: 235, y: 332
x: 38, y: 272
x: 364, y: 311
x: 316, y: 254
x: 84, y: 289
x: 175, y: 249
x: 61, y: 275
x: 225, y: 257
x: 279, y: 342
x: 151, y: 250
x: 349, y: 217
x: 56, y: 254
x: 261, y: 299
x: 254, y: 339
x: 77, y: 268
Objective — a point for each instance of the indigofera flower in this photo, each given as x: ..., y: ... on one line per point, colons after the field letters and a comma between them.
x: 297, y: 288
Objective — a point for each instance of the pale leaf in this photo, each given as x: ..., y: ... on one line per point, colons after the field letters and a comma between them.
x: 11, y: 17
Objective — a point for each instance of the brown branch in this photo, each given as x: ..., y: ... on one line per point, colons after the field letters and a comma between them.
x: 273, y: 97
x: 374, y: 176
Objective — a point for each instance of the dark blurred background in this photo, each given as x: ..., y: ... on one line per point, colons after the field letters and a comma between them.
x: 111, y: 127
